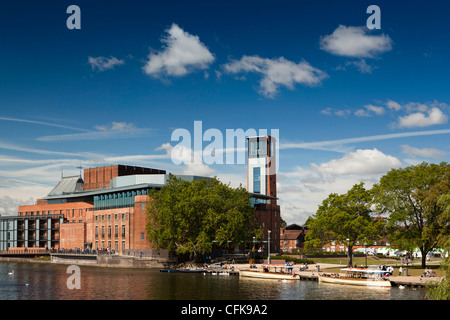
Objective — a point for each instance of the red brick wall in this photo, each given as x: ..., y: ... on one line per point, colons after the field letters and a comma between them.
x: 268, y: 217
x: 99, y: 178
x: 138, y: 235
x: 72, y: 235
x: 71, y: 210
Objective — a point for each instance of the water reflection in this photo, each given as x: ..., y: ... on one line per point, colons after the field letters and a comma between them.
x: 32, y: 281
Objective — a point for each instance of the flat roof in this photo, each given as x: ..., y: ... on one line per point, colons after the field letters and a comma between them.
x: 104, y: 191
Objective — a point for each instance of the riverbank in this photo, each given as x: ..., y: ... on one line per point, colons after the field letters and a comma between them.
x: 106, y: 261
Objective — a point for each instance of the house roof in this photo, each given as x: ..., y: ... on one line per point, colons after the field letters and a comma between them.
x: 67, y: 185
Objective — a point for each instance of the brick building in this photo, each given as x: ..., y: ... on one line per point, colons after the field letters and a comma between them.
x: 107, y: 210
x: 292, y: 238
x: 262, y: 184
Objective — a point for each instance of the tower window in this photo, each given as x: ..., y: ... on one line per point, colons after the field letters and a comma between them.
x: 257, y: 180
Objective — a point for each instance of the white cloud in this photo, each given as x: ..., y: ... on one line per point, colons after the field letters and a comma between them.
x: 9, y: 205
x: 103, y: 63
x: 392, y: 105
x: 303, y: 189
x: 355, y: 42
x: 369, y: 110
x: 368, y: 161
x: 184, y: 158
x: 116, y: 126
x: 182, y: 53
x: 423, y: 153
x: 277, y: 72
x: 420, y: 119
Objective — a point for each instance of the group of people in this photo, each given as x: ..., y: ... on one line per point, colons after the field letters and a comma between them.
x: 389, y: 270
x: 427, y: 273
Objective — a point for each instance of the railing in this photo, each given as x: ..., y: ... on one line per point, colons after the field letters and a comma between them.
x: 24, y: 251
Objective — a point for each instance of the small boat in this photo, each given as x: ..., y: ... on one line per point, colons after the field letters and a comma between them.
x: 270, y: 271
x: 358, y: 277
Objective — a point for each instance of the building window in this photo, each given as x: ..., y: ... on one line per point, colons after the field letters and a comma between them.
x: 116, y: 231
x: 142, y: 236
x: 109, y: 232
x: 96, y: 232
x: 123, y: 231
x: 257, y: 180
x: 103, y: 234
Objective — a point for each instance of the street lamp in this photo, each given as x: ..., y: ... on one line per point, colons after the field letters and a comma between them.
x: 348, y: 253
x: 268, y: 247
x: 365, y: 246
x: 254, y: 250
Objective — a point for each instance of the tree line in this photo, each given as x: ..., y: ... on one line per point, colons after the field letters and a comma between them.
x: 408, y: 206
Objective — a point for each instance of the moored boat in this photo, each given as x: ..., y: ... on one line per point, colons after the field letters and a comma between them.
x: 358, y: 277
x: 270, y: 271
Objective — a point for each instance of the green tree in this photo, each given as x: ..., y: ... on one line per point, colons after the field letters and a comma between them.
x: 345, y: 218
x: 190, y: 217
x: 409, y: 196
x: 441, y: 290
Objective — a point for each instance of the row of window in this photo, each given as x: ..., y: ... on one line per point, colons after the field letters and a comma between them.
x: 108, y: 217
x: 70, y: 213
x: 116, y: 244
x: 116, y: 232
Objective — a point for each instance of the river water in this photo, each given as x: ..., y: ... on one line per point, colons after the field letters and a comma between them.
x: 44, y: 281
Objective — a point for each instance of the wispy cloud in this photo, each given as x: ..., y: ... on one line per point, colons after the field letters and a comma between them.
x: 114, y: 130
x: 276, y: 73
x: 336, y: 145
x: 103, y: 63
x: 42, y: 123
x: 423, y: 152
x: 13, y: 147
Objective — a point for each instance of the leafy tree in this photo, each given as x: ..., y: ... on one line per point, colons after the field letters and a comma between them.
x: 409, y: 196
x: 441, y: 290
x: 190, y: 217
x: 346, y: 219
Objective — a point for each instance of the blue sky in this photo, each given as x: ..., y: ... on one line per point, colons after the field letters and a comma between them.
x: 349, y: 103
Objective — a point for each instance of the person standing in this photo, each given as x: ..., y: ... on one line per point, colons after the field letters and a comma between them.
x: 400, y: 271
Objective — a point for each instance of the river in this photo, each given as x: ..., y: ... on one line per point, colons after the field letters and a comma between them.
x: 44, y: 281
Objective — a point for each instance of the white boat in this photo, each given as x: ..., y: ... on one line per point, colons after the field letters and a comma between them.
x: 358, y: 277
x: 271, y: 271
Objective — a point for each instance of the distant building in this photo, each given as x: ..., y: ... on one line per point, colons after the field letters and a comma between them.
x: 292, y: 238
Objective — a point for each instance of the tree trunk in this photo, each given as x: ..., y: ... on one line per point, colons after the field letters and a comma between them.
x: 349, y: 256
x: 424, y: 258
